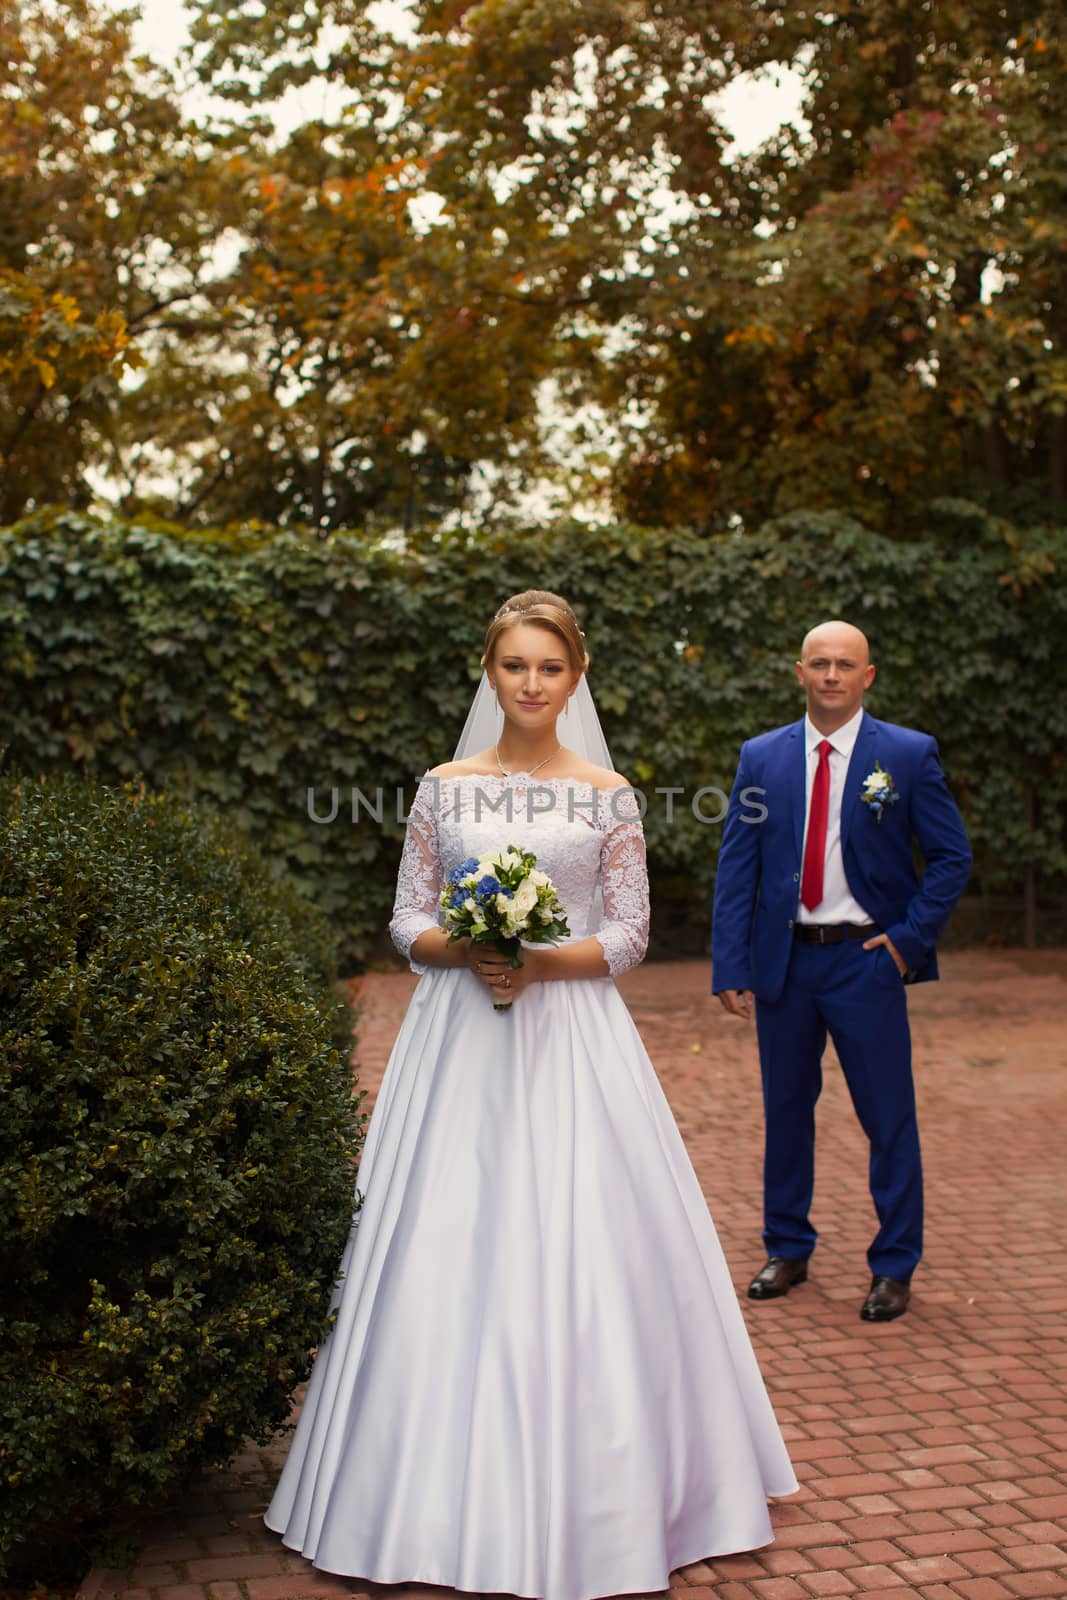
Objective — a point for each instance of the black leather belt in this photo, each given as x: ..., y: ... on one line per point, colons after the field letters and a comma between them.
x: 832, y: 932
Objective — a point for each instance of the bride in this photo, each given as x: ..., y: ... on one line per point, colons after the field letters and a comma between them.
x: 539, y: 1382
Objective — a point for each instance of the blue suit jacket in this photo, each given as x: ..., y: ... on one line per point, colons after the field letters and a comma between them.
x: 757, y: 886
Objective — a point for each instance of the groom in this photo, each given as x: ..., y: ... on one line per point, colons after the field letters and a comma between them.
x: 820, y: 916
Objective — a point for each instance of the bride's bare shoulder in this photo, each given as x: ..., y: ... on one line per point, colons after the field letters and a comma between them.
x: 476, y: 766
x: 597, y: 777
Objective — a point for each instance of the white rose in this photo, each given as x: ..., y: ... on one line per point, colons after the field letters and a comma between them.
x: 470, y: 904
x: 525, y: 898
x: 541, y: 879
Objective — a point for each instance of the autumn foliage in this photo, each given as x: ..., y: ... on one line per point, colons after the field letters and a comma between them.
x: 519, y: 248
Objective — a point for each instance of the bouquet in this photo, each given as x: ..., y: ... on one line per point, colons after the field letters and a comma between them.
x: 500, y: 899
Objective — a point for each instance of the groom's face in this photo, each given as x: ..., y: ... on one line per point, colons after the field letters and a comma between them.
x: 834, y: 672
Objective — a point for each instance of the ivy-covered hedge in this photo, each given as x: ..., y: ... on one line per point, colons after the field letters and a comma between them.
x: 176, y: 1153
x: 250, y: 667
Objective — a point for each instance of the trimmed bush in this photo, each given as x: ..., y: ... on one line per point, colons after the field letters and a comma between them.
x: 176, y: 1152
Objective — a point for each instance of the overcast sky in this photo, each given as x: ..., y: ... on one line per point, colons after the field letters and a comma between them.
x: 752, y: 109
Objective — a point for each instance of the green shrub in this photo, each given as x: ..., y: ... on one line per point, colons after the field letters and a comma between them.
x: 249, y: 667
x: 176, y: 1152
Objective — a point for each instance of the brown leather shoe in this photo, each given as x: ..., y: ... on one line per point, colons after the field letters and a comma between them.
x: 888, y: 1298
x: 777, y: 1278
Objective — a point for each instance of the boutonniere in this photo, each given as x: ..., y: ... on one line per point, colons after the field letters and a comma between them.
x: 879, y: 790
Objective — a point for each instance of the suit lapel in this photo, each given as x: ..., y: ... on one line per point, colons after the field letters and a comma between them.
x: 860, y: 764
x: 796, y: 774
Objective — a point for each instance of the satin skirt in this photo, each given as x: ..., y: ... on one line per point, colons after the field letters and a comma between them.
x: 539, y: 1381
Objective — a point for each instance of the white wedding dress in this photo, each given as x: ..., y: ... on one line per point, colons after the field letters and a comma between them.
x: 539, y: 1382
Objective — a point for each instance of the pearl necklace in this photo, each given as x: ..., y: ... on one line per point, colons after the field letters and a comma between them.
x: 507, y: 772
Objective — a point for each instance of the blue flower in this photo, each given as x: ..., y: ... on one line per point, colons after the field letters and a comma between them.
x: 462, y: 870
x: 459, y: 897
x: 486, y: 888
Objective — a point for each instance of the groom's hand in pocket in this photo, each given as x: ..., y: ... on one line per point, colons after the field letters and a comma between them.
x: 736, y: 1002
x: 883, y: 938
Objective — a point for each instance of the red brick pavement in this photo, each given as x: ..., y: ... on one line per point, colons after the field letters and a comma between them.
x: 932, y: 1451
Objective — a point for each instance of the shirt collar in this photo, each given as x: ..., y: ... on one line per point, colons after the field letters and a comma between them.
x: 842, y: 739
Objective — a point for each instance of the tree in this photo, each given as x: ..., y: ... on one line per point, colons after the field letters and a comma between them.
x: 864, y: 313
x: 344, y: 326
x: 889, y: 327
x: 346, y: 370
x: 101, y: 235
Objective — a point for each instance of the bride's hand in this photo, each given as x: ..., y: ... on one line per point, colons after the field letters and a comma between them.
x: 504, y: 981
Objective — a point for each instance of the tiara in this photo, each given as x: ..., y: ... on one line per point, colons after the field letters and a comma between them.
x: 527, y: 610
x: 522, y: 611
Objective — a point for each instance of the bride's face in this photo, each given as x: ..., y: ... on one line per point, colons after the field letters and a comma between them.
x: 532, y: 676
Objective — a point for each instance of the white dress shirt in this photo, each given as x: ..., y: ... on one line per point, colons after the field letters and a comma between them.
x: 838, y: 903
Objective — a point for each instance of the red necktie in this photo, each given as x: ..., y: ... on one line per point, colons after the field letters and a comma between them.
x: 815, y: 844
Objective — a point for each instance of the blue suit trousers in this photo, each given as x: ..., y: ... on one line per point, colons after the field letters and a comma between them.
x: 858, y: 998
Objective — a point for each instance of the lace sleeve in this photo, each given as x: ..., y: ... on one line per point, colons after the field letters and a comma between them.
x: 419, y: 880
x: 624, y: 877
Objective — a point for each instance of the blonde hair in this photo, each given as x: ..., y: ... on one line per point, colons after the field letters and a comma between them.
x: 542, y: 609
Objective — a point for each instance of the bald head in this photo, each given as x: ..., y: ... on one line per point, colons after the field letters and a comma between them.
x: 836, y: 637
x: 834, y: 671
